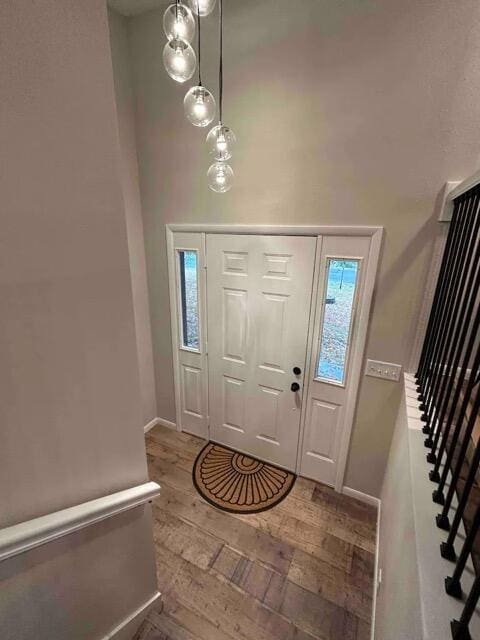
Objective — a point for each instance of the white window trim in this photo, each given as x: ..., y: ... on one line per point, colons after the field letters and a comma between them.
x: 353, y: 315
x: 181, y: 337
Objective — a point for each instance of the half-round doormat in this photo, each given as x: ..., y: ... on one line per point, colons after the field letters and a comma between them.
x: 238, y: 483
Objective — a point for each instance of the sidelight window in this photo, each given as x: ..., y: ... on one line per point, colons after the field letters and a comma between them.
x: 339, y: 296
x: 188, y: 284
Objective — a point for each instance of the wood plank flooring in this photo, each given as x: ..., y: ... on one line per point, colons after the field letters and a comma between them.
x: 301, y: 571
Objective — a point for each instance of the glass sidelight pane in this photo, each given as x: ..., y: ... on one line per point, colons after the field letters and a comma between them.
x: 341, y: 282
x: 189, y: 298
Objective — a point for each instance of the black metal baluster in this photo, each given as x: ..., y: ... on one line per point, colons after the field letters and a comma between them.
x: 454, y: 286
x: 437, y: 308
x: 447, y: 548
x: 442, y: 519
x: 457, y: 334
x: 428, y: 340
x: 435, y: 473
x: 430, y: 372
x: 453, y: 585
x: 452, y: 244
x: 460, y: 627
x: 447, y: 395
x: 452, y: 282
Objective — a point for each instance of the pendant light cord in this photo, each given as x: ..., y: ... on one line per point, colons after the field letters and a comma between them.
x: 220, y: 71
x: 199, y: 46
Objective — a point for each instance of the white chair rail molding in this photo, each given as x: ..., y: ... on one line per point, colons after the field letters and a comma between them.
x: 24, y: 536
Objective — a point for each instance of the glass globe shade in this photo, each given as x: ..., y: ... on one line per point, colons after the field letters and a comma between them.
x: 179, y: 23
x: 205, y: 6
x: 199, y: 106
x: 179, y: 59
x: 220, y: 177
x: 220, y: 142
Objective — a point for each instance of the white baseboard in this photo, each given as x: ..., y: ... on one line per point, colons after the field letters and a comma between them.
x: 167, y: 423
x: 130, y: 625
x: 150, y: 425
x: 161, y: 421
x: 363, y: 497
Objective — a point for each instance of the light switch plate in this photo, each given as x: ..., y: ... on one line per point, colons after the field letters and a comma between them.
x: 385, y: 370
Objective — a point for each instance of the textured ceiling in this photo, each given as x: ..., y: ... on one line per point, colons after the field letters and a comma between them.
x: 134, y: 7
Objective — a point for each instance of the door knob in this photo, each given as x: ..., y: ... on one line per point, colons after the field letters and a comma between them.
x: 295, y: 386
x: 297, y: 371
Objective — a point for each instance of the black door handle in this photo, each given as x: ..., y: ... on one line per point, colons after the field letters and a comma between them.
x: 295, y: 386
x: 297, y: 371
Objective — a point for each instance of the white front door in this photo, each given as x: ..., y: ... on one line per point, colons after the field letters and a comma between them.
x: 259, y: 292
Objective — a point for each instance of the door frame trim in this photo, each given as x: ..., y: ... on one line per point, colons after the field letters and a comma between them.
x: 376, y: 234
x: 277, y: 229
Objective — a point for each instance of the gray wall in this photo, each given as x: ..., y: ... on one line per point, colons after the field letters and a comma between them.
x: 70, y: 407
x: 346, y: 113
x: 133, y: 209
x: 398, y: 615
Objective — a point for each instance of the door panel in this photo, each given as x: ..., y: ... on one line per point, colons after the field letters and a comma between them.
x: 323, y: 418
x: 192, y: 388
x: 342, y: 268
x: 259, y: 292
x: 273, y: 312
x: 234, y: 404
x: 235, y: 324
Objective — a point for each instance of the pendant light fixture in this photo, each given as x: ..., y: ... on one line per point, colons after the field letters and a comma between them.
x: 178, y: 56
x: 220, y: 177
x: 221, y: 139
x: 199, y: 103
x: 179, y: 23
x: 202, y: 7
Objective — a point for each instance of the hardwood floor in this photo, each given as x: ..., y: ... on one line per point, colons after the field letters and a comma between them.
x: 303, y: 570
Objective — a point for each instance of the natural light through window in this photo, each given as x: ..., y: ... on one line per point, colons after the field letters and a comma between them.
x: 189, y: 298
x: 341, y: 281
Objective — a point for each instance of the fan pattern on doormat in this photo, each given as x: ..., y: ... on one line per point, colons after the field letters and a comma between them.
x: 239, y: 483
